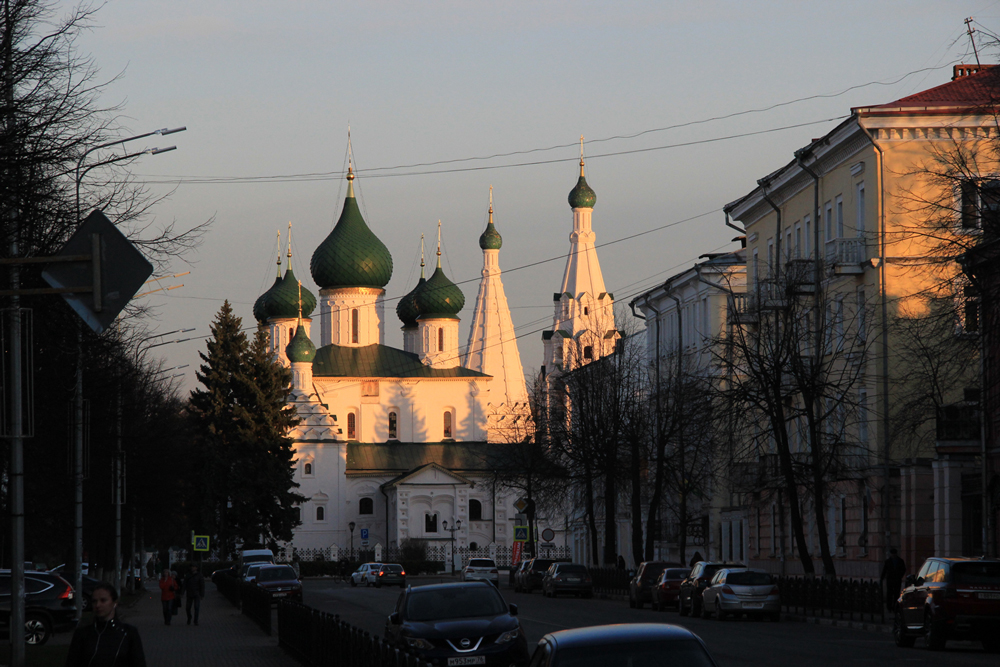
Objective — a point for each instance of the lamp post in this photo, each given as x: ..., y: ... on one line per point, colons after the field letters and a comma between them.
x: 351, y: 527
x: 454, y: 529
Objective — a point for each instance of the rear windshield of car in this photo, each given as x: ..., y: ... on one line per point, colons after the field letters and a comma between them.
x: 481, y: 562
x: 669, y: 653
x: 541, y: 564
x: 571, y: 567
x: 652, y: 571
x: 677, y: 574
x: 987, y: 574
x: 456, y: 602
x: 275, y: 574
x: 748, y: 578
x: 710, y: 570
x: 394, y: 569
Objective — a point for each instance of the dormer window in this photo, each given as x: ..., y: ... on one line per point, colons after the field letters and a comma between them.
x: 588, y: 352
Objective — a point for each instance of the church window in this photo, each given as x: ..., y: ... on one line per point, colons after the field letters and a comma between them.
x: 321, y: 513
x: 307, y: 469
x: 430, y: 523
x: 588, y: 352
x: 393, y: 433
x: 447, y: 424
x: 366, y: 506
x: 355, y: 325
x: 586, y: 310
x: 473, y: 546
x: 475, y: 511
x: 441, y: 340
x: 352, y: 431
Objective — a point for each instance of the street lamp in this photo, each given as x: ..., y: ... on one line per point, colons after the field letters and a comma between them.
x: 455, y: 528
x: 351, y: 527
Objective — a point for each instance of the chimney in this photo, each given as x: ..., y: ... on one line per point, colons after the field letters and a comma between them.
x: 959, y: 71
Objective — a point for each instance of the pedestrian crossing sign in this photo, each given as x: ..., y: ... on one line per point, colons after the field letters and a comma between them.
x: 201, y: 542
x: 520, y: 533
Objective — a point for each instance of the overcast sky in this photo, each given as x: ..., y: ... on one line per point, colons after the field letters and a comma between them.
x: 267, y: 89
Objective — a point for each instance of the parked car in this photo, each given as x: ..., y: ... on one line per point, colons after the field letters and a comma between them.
x: 667, y: 587
x: 640, y: 586
x: 567, y: 578
x: 390, y: 574
x: 89, y: 584
x: 365, y: 574
x: 250, y: 571
x: 623, y: 645
x: 481, y: 569
x: 950, y: 598
x: 532, y: 574
x: 689, y: 594
x: 743, y: 591
x: 466, y: 623
x: 515, y: 575
x: 280, y: 581
x: 49, y: 605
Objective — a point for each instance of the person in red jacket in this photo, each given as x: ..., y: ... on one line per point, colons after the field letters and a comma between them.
x: 168, y: 591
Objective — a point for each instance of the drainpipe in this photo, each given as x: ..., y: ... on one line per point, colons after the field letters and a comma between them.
x: 800, y: 160
x: 736, y: 227
x: 887, y: 533
x: 777, y: 235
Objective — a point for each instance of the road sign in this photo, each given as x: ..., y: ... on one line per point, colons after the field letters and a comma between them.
x: 364, y: 533
x: 107, y: 280
x: 364, y: 543
x: 520, y: 533
x: 548, y: 534
x: 201, y: 542
x: 521, y: 504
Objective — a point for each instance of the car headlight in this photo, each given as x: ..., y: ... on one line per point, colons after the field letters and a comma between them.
x: 509, y: 636
x: 417, y: 642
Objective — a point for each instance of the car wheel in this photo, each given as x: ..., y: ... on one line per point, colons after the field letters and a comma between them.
x: 700, y: 610
x: 354, y: 584
x: 776, y: 616
x: 933, y: 633
x: 681, y: 609
x: 720, y: 615
x: 378, y: 584
x: 655, y: 604
x: 37, y: 630
x: 899, y: 635
x: 639, y: 603
x: 631, y: 602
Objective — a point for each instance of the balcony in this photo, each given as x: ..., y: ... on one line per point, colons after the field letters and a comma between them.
x: 800, y: 273
x: 846, y: 255
x: 740, y: 310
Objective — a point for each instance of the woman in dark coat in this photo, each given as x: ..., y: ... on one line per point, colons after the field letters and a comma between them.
x: 107, y: 642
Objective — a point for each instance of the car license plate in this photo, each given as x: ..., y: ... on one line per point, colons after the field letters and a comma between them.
x: 280, y: 595
x: 989, y: 596
x: 574, y: 580
x: 753, y: 605
x: 471, y: 660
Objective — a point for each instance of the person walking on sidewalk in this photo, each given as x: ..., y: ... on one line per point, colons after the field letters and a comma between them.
x: 168, y: 591
x: 194, y: 589
x: 893, y: 570
x: 107, y: 642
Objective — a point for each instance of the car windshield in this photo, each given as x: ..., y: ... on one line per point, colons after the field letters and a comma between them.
x: 669, y: 653
x: 572, y: 568
x: 676, y: 574
x: 453, y: 602
x: 540, y: 564
x: 987, y: 574
x: 481, y: 562
x: 276, y: 574
x: 748, y: 578
x: 392, y: 569
x: 652, y: 571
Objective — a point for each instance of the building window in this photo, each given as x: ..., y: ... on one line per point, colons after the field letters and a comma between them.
x: 840, y: 217
x: 863, y: 417
x: 588, y: 352
x: 352, y: 431
x: 393, y: 433
x: 430, y: 523
x: 980, y: 204
x: 307, y: 469
x: 807, y: 239
x: 586, y: 310
x: 355, y: 326
x: 861, y: 209
x: 827, y: 228
x: 970, y: 309
x: 321, y: 513
x: 473, y: 546
x: 366, y: 506
x: 475, y: 510
x: 441, y: 339
x: 447, y: 424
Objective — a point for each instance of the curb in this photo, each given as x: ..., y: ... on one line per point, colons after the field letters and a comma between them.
x: 839, y: 623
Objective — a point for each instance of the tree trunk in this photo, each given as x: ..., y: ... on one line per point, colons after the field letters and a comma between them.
x: 791, y: 488
x: 819, y: 496
x: 610, y: 507
x: 635, y: 473
x: 591, y: 519
x: 653, y: 518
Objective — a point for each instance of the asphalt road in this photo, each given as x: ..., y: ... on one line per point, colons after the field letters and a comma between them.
x: 739, y: 643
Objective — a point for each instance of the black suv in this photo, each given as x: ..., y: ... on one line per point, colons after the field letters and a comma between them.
x: 532, y: 575
x: 467, y: 623
x: 641, y: 585
x: 689, y: 595
x: 48, y: 605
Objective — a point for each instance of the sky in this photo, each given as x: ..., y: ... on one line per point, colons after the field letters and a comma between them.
x: 683, y: 106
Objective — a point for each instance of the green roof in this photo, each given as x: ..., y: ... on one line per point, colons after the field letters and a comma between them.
x: 379, y: 361
x: 406, y: 309
x: 282, y: 300
x: 439, y: 297
x: 490, y: 239
x: 259, y: 313
x: 402, y: 457
x: 582, y: 196
x: 301, y: 349
x: 351, y: 256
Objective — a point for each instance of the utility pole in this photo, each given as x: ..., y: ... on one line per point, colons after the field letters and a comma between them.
x: 969, y: 29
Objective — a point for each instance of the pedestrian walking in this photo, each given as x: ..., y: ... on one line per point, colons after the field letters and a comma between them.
x: 107, y: 642
x: 168, y: 592
x: 621, y: 562
x: 893, y: 570
x: 194, y: 590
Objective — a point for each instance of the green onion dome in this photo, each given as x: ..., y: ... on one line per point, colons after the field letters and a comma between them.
x: 301, y: 349
x: 439, y: 297
x: 582, y: 196
x: 282, y: 300
x: 490, y: 239
x: 351, y: 256
x: 406, y: 309
x: 259, y: 313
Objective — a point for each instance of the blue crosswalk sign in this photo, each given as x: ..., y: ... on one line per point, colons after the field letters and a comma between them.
x: 364, y: 533
x: 520, y: 533
x: 201, y: 542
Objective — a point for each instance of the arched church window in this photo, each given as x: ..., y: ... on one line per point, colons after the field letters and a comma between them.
x: 355, y: 326
x: 473, y: 546
x: 392, y: 426
x: 307, y: 469
x: 366, y: 506
x: 441, y: 340
x: 475, y: 511
x: 352, y: 431
x: 447, y: 424
x: 321, y: 513
x: 588, y: 352
x: 430, y: 523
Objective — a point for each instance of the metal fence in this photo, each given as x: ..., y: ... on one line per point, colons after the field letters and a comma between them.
x: 319, y: 639
x: 863, y: 599
x: 252, y: 602
x: 502, y: 554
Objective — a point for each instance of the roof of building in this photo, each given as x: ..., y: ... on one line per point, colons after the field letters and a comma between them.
x: 282, y: 300
x: 379, y: 361
x: 259, y: 313
x: 301, y: 349
x: 400, y: 458
x: 406, y: 309
x: 439, y: 297
x: 582, y: 195
x: 981, y: 89
x: 490, y: 239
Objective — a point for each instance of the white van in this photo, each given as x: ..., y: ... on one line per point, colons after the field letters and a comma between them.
x: 248, y: 556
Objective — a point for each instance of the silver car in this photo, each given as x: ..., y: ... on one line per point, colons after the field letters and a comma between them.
x: 737, y: 592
